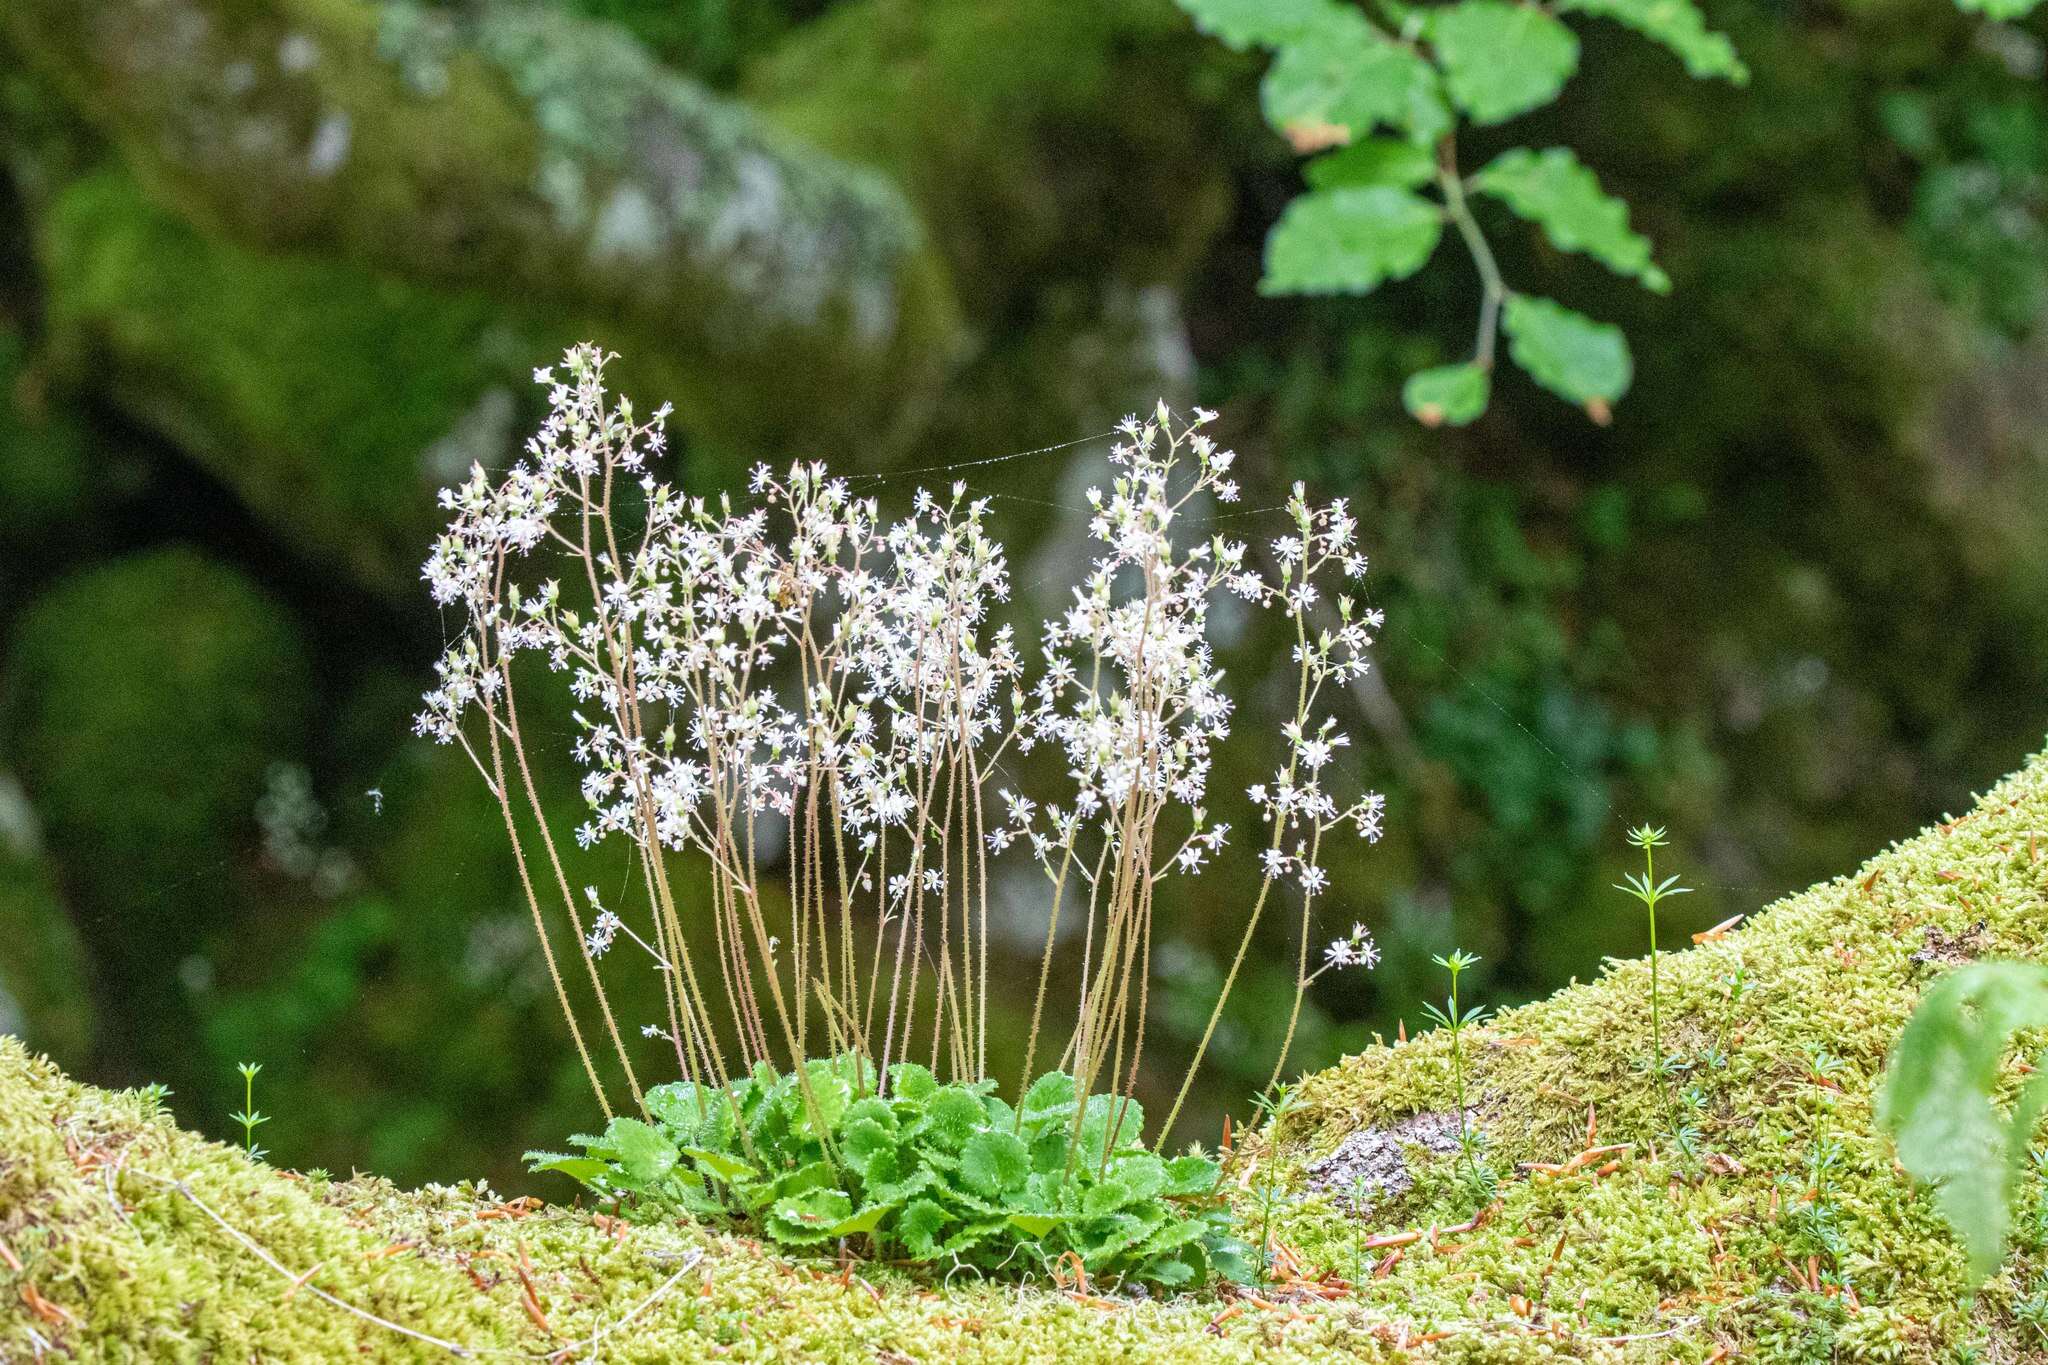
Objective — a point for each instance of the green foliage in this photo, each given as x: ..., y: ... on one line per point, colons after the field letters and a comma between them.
x: 1501, y: 60
x: 1337, y: 77
x: 1552, y: 190
x: 1349, y: 240
x: 932, y: 1173
x: 1566, y: 352
x: 1939, y: 1099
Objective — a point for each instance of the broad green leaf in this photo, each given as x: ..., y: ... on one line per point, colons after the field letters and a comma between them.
x: 1053, y: 1090
x: 1349, y: 241
x: 1937, y: 1099
x: 583, y: 1168
x: 974, y: 1234
x: 919, y: 1227
x: 1239, y: 24
x: 995, y: 1163
x: 1576, y: 358
x: 1345, y: 75
x: 810, y: 1217
x: 1105, y: 1197
x: 1373, y: 161
x: 2001, y: 10
x: 1172, y: 1272
x: 862, y: 1140
x: 911, y: 1081
x: 1501, y: 59
x: 867, y: 1220
x: 1191, y: 1175
x: 645, y: 1156
x: 1679, y: 26
x: 1449, y: 395
x: 1034, y: 1224
x: 677, y: 1104
x: 719, y: 1164
x: 1142, y: 1173
x: 1553, y: 190
x: 951, y: 1116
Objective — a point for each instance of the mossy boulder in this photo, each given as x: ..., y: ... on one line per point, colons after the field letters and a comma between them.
x: 540, y: 156
x: 44, y: 996
x: 1609, y: 1237
x: 144, y: 701
x: 332, y: 399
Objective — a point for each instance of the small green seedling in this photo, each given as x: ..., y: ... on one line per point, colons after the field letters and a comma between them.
x: 1456, y: 1020
x: 249, y: 1118
x: 1645, y: 887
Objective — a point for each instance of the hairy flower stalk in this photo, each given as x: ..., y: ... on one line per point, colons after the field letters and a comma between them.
x: 798, y: 659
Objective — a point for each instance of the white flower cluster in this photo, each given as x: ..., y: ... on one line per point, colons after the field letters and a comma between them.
x: 801, y: 656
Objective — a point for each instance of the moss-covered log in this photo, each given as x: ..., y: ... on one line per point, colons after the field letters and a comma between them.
x: 135, y: 1239
x: 542, y: 155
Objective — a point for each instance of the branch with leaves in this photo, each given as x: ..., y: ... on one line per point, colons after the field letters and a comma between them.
x: 1379, y: 100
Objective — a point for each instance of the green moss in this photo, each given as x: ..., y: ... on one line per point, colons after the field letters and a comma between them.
x: 43, y: 994
x: 145, y: 699
x: 1667, y: 1256
x: 44, y: 465
x: 332, y: 399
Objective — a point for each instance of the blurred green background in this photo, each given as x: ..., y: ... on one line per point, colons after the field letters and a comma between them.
x: 271, y: 271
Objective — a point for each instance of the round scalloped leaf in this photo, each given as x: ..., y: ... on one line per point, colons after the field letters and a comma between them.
x: 952, y: 1115
x: 1192, y: 1175
x: 995, y: 1163
x: 909, y: 1081
x: 1501, y: 59
x: 645, y: 1156
x: 1142, y: 1173
x: 1342, y: 78
x: 1553, y: 190
x: 1035, y: 1224
x: 1052, y: 1091
x: 1576, y: 358
x: 1449, y: 395
x: 1372, y: 161
x: 1679, y: 26
x: 919, y: 1227
x: 867, y: 1220
x: 724, y: 1166
x: 1239, y: 24
x: 808, y: 1218
x: 1349, y: 241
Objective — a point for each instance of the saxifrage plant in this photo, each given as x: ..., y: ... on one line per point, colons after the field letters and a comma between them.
x: 805, y: 662
x: 919, y: 1171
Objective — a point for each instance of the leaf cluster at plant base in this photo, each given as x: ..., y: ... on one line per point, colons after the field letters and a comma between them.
x: 933, y: 1174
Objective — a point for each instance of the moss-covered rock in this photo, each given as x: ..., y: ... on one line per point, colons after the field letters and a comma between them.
x: 1777, y: 1229
x: 144, y: 701
x: 539, y: 155
x: 43, y: 990
x: 332, y: 399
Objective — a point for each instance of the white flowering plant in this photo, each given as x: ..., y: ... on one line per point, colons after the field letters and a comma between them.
x: 798, y: 659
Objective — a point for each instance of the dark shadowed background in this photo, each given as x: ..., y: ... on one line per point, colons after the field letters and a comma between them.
x: 271, y: 271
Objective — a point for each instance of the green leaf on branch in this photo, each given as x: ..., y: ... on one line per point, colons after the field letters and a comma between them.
x: 1342, y: 78
x: 1937, y: 1100
x: 2002, y: 10
x: 1239, y: 24
x: 1348, y: 241
x: 1576, y: 358
x: 1373, y: 161
x: 1679, y: 26
x: 1501, y: 59
x: 1449, y: 395
x: 1553, y: 190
